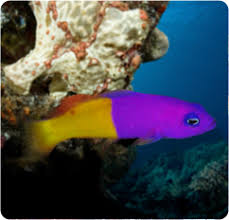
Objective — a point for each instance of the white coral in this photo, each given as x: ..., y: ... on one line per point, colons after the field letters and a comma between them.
x: 77, y: 45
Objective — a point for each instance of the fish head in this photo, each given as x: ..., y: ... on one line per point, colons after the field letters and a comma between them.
x: 190, y: 120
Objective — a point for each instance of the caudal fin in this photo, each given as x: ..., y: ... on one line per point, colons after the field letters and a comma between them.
x: 37, y: 143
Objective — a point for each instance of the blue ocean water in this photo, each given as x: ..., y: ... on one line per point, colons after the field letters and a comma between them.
x: 194, y: 68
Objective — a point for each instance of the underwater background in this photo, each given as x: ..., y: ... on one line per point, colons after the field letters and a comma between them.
x: 171, y: 178
x: 168, y: 179
x: 195, y: 66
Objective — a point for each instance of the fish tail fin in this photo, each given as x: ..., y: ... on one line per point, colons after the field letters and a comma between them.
x: 37, y: 144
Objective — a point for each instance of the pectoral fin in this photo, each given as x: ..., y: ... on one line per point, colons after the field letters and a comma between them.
x: 143, y: 141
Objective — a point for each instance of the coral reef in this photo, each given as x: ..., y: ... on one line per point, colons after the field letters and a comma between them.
x: 80, y: 42
x: 191, y: 184
x: 55, y: 49
x: 211, y: 177
x: 96, y: 50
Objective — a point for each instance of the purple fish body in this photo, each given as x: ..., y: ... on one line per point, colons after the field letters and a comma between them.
x: 152, y: 117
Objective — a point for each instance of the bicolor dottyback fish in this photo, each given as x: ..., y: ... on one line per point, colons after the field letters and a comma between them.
x: 119, y: 115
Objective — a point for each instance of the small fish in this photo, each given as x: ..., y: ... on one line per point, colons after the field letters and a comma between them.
x: 119, y: 115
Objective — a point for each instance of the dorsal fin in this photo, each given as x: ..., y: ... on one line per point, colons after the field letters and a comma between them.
x: 69, y: 102
x: 118, y: 93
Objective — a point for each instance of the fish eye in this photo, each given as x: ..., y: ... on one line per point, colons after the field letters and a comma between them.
x: 193, y: 121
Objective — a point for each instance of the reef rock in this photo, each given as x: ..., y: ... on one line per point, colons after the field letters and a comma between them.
x: 155, y: 46
x: 81, y: 52
x: 85, y: 47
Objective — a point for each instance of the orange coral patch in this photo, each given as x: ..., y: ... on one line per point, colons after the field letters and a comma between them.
x: 135, y: 62
x: 66, y: 76
x: 52, y: 7
x: 63, y: 25
x: 143, y: 15
x: 144, y: 26
x: 48, y: 64
x: 26, y: 110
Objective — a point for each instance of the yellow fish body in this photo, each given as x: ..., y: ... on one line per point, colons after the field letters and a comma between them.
x: 78, y: 116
